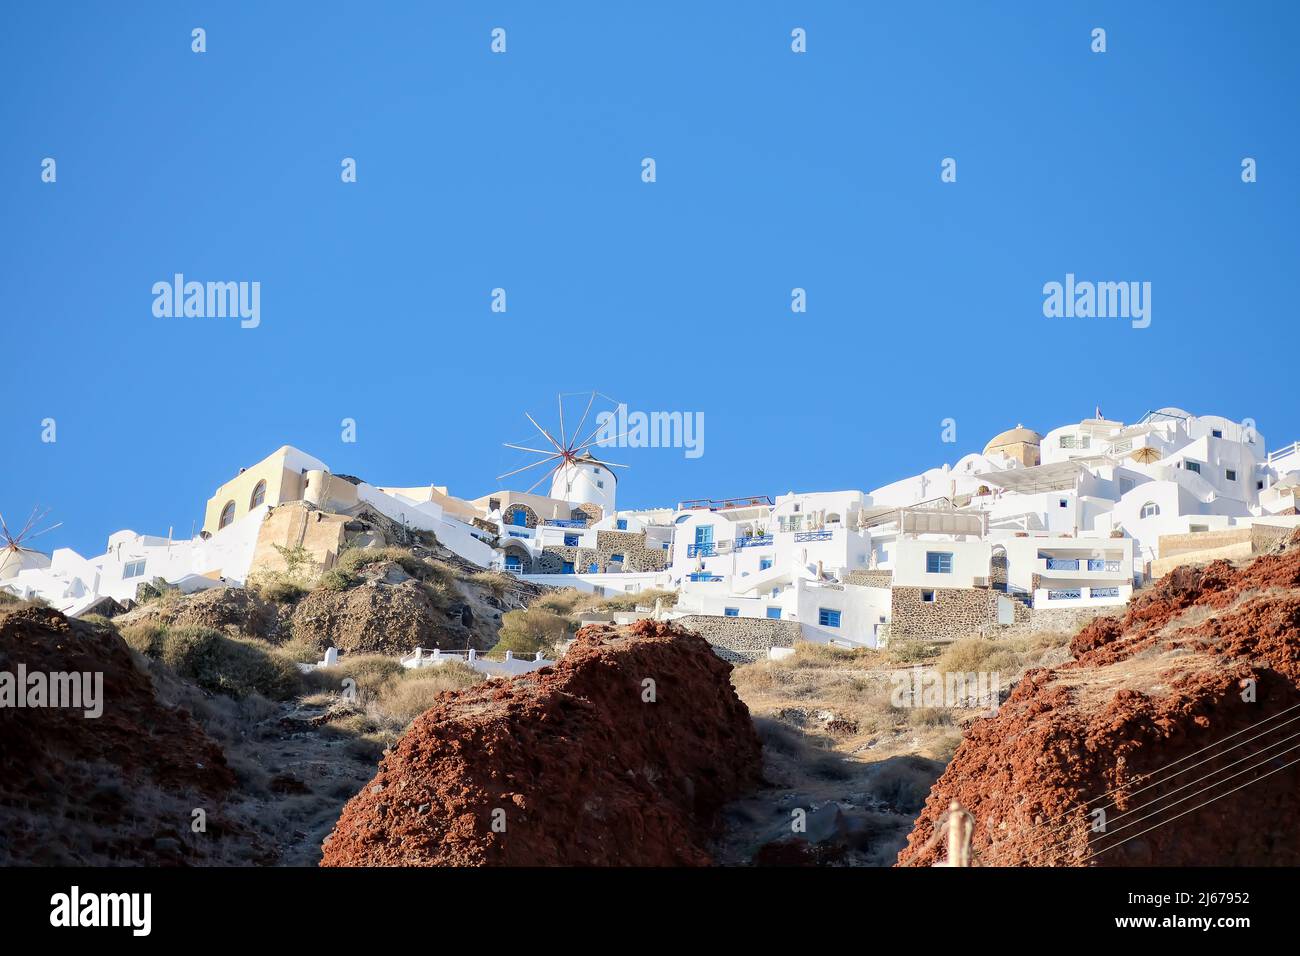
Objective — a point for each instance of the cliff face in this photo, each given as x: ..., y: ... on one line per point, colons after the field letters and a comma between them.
x: 116, y: 788
x: 1175, y: 720
x: 621, y: 754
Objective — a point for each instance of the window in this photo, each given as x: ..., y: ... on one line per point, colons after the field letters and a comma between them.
x: 1232, y: 475
x: 513, y: 563
x: 568, y: 568
x: 616, y: 557
x: 828, y: 618
x: 764, y: 563
x: 774, y: 613
x: 1064, y: 502
x: 1194, y: 466
x: 600, y: 484
x: 704, y: 534
x: 1259, y: 486
x: 1150, y: 509
x: 593, y: 568
x: 1198, y: 527
x: 227, y: 515
x: 570, y: 540
x: 667, y: 545
x: 621, y: 524
x: 259, y: 495
x: 927, y: 597
x: 1216, y: 433
x: 133, y: 569
x: 938, y: 562
x: 731, y: 611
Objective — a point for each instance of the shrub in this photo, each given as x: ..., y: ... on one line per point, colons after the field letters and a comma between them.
x: 529, y: 631
x: 371, y: 672
x: 401, y: 701
x: 977, y: 654
x: 495, y: 582
x: 236, y: 666
x: 282, y: 591
x: 335, y: 580
x: 353, y: 560
x: 911, y: 652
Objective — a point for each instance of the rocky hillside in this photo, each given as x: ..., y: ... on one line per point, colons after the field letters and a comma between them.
x: 120, y: 787
x: 623, y: 753
x: 1178, y: 721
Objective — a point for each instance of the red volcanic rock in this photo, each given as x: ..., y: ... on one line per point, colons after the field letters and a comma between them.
x: 1162, y: 710
x: 568, y: 765
x: 114, y: 788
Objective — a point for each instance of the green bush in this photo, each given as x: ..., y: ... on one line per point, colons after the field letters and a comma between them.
x: 335, y: 580
x: 353, y: 560
x: 235, y: 666
x: 530, y: 631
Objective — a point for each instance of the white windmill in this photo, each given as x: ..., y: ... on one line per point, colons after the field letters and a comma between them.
x: 577, y: 475
x: 14, y: 554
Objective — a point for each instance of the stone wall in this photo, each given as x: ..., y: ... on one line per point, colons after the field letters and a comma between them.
x: 588, y: 512
x: 955, y: 612
x: 742, y: 640
x: 298, y: 524
x: 870, y: 579
x: 631, y: 544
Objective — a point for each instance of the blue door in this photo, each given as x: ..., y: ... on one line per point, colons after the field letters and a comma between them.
x: 518, y: 519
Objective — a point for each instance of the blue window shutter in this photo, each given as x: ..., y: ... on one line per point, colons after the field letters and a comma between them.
x: 774, y: 613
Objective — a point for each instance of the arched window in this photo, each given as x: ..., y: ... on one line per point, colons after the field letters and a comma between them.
x: 227, y: 515
x: 259, y: 495
x: 1150, y: 509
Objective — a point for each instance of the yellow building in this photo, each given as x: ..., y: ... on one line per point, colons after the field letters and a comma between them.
x: 284, y: 475
x: 1020, y: 444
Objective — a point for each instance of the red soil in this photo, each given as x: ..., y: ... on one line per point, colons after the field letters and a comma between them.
x: 1144, y: 691
x: 582, y: 769
x: 76, y: 789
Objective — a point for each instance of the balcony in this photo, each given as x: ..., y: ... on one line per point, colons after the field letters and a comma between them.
x: 707, y: 549
x: 566, y: 523
x: 704, y: 577
x: 756, y: 541
x: 802, y: 536
x: 1082, y: 564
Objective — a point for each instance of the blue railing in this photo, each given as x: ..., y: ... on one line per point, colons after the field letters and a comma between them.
x: 813, y: 536
x: 1066, y: 595
x: 1103, y: 592
x: 704, y: 577
x: 707, y: 550
x: 566, y: 523
x: 754, y: 542
x: 1073, y: 564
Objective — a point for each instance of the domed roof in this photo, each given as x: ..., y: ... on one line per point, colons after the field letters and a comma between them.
x: 1018, y: 435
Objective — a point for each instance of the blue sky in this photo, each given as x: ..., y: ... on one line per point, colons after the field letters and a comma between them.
x: 522, y: 171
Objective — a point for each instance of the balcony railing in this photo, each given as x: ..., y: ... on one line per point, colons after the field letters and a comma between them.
x: 1103, y: 592
x: 701, y: 576
x: 801, y: 536
x: 1075, y: 564
x: 1069, y: 594
x: 756, y: 541
x: 566, y: 523
x: 707, y: 550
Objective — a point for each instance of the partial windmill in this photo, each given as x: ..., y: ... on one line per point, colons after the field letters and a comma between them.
x: 14, y: 545
x: 569, y: 451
